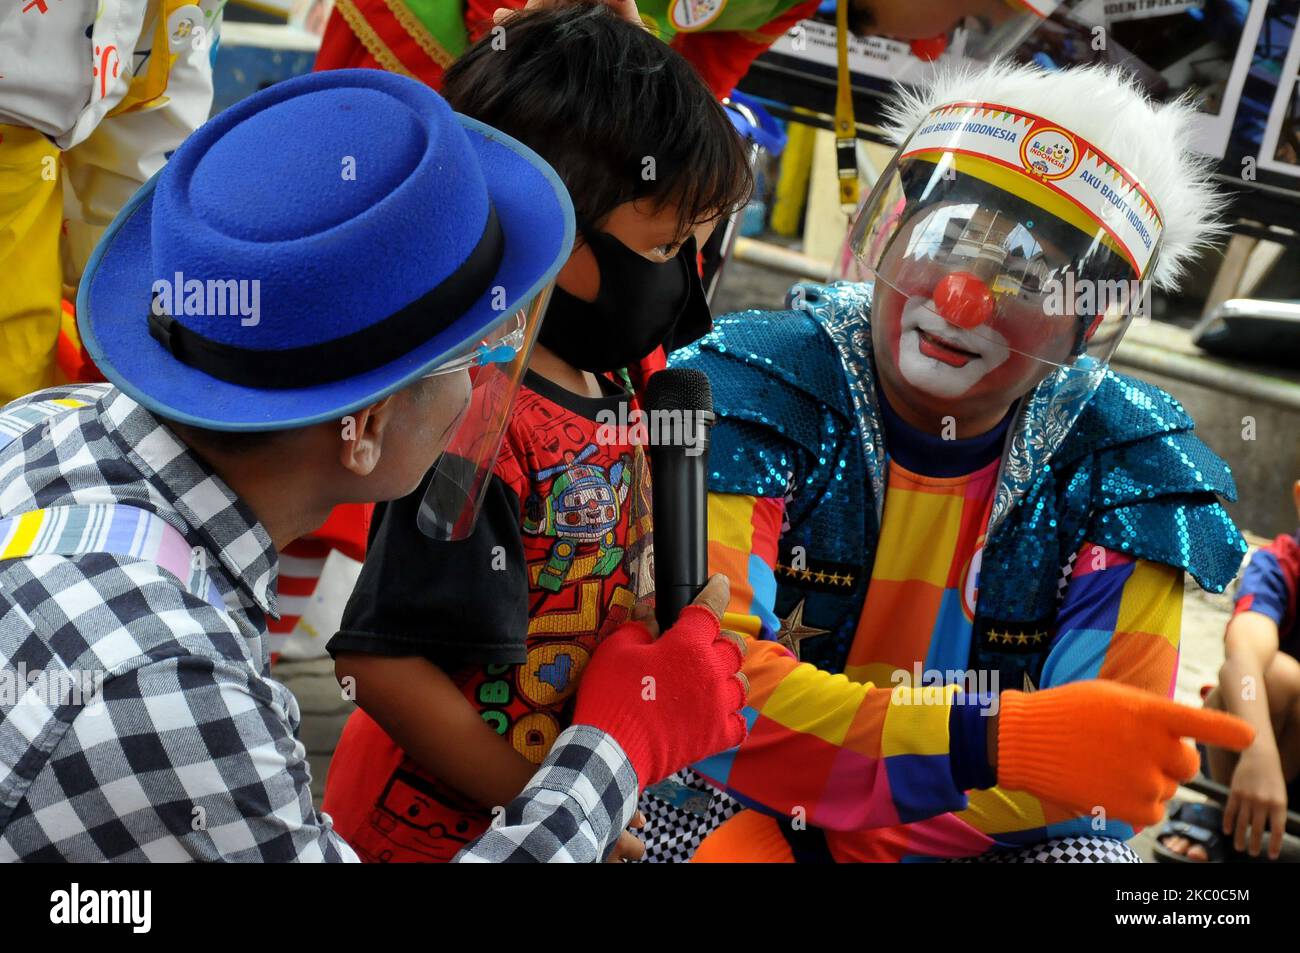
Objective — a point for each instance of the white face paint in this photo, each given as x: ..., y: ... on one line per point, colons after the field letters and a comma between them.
x: 941, y: 359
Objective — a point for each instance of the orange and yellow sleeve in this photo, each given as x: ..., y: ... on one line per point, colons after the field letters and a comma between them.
x: 840, y: 754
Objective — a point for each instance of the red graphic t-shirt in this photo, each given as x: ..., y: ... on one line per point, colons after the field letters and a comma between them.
x: 560, y: 555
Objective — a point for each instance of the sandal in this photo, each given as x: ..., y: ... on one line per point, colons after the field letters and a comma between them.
x: 1202, y: 824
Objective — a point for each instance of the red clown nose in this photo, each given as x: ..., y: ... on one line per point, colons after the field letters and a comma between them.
x: 931, y: 48
x: 963, y: 300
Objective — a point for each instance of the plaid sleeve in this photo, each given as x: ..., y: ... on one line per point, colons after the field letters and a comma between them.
x: 186, y: 758
x: 575, y: 806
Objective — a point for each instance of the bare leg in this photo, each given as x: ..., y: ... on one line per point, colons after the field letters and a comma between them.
x: 1282, y: 688
x: 1282, y: 682
x: 1221, y: 762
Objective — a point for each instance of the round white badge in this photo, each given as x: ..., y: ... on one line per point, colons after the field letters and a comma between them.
x: 970, y: 583
x: 689, y: 15
x: 185, y: 29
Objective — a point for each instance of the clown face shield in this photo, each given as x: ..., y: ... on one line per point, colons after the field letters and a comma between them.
x: 495, y: 366
x: 1003, y: 248
x: 994, y: 28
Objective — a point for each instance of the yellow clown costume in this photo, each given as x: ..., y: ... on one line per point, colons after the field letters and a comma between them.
x: 94, y: 95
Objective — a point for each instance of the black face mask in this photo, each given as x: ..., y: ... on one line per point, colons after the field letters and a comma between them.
x: 640, y: 306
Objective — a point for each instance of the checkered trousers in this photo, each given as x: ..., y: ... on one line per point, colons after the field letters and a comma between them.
x: 1062, y: 850
x: 679, y: 813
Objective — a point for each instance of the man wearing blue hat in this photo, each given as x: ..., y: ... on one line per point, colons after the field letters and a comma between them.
x: 328, y: 285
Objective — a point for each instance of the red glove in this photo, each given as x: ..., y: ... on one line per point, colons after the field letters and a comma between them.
x: 667, y: 702
x: 1103, y: 744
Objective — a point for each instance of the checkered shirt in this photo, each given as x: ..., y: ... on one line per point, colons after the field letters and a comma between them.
x: 180, y: 746
x: 572, y: 810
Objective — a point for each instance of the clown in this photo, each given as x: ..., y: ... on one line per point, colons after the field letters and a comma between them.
x: 945, y: 482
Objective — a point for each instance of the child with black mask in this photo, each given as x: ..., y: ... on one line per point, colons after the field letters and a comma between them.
x: 466, y: 654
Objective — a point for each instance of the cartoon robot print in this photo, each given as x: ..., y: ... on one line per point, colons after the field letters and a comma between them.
x: 581, y: 508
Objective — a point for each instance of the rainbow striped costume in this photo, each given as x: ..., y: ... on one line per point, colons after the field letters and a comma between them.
x: 1060, y: 560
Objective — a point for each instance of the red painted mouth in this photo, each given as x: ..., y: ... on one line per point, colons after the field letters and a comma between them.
x: 941, y: 350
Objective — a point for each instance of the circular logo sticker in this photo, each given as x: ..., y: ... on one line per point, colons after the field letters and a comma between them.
x: 970, y: 582
x: 688, y: 15
x: 1050, y: 152
x: 185, y: 29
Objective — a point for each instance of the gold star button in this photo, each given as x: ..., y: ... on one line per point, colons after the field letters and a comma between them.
x: 793, y: 631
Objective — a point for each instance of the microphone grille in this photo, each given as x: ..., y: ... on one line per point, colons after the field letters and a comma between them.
x: 679, y: 388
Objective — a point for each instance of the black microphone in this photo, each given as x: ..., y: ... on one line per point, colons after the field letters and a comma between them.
x: 679, y: 404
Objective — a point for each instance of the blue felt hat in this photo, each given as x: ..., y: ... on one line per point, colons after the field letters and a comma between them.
x: 316, y: 247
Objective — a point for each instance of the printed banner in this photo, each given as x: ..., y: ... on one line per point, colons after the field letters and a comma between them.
x: 1119, y: 10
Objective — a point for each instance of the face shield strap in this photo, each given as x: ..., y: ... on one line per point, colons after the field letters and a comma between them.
x: 502, y: 350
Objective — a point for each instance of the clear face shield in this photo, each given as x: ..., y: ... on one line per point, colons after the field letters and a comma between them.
x: 974, y: 31
x: 495, y: 366
x: 994, y: 28
x: 1003, y: 249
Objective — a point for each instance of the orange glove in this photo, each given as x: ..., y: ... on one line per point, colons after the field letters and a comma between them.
x: 1103, y: 744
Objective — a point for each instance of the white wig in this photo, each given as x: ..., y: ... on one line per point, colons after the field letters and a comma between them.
x: 1105, y: 106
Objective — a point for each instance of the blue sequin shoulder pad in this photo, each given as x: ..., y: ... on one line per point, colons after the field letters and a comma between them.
x: 785, y: 418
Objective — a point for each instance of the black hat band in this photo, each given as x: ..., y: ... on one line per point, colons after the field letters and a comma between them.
x: 350, y: 355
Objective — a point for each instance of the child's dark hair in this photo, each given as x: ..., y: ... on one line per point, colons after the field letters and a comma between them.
x: 599, y: 98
